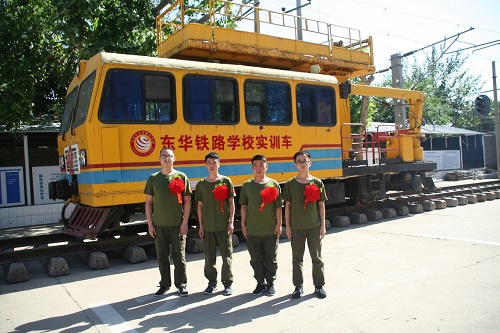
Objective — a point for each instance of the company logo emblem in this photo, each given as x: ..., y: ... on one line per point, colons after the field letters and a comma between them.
x: 142, y: 143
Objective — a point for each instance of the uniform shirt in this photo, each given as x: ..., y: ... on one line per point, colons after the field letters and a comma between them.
x: 260, y: 223
x: 212, y: 217
x: 167, y: 211
x: 301, y: 218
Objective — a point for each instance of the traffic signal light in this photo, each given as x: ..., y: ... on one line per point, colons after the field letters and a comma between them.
x: 482, y: 106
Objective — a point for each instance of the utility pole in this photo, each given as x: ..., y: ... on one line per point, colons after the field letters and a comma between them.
x: 497, y: 118
x: 298, y: 7
x: 397, y: 82
x: 299, y: 19
x: 256, y: 17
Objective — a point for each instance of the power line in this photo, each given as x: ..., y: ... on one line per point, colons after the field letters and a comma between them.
x: 475, y: 46
x: 407, y: 54
x: 441, y: 41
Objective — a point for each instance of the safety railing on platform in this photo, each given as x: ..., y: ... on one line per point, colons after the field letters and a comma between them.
x: 354, y: 143
x: 362, y: 148
x: 249, y: 18
x: 381, y: 149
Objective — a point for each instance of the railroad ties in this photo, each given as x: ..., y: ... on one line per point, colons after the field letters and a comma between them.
x: 400, y: 206
x: 51, y: 252
x: 135, y: 249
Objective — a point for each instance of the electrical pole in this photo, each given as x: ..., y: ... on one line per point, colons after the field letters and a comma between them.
x: 299, y: 16
x: 497, y: 118
x: 397, y: 82
x: 256, y: 17
x: 299, y: 20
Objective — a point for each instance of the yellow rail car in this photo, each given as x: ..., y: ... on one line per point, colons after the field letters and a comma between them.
x: 137, y: 105
x: 121, y: 110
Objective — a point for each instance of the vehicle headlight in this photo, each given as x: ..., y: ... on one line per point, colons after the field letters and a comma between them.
x: 62, y: 163
x: 82, y: 157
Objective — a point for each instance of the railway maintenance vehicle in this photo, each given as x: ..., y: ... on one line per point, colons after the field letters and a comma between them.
x: 237, y: 92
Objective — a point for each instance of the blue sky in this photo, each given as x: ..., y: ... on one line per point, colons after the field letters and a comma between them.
x: 400, y: 26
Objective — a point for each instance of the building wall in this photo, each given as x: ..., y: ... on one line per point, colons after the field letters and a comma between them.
x: 42, y: 151
x: 470, y: 146
x: 26, y: 216
x: 490, y: 151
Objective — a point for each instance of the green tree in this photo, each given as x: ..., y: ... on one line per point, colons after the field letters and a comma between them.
x: 449, y: 90
x: 43, y: 41
x: 29, y: 80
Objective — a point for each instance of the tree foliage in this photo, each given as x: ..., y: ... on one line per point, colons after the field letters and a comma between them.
x: 449, y: 90
x: 43, y: 41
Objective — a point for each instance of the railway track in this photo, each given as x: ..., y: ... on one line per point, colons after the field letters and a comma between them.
x: 408, y: 198
x: 17, y: 250
x: 58, y: 244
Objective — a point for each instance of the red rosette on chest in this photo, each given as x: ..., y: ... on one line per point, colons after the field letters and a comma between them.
x: 269, y: 195
x: 177, y: 187
x: 221, y: 193
x: 312, y: 193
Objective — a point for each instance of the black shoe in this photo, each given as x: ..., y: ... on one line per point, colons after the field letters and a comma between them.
x: 210, y: 290
x: 261, y: 287
x: 183, y: 292
x: 298, y: 292
x: 320, y: 292
x: 270, y: 289
x: 161, y: 291
x: 228, y: 290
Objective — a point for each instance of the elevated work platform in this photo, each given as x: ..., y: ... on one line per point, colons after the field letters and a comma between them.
x: 243, y: 34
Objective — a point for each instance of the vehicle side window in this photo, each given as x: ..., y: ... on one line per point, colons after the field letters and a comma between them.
x: 316, y: 105
x: 267, y: 102
x: 132, y: 96
x: 210, y: 100
x: 158, y: 98
x: 83, y: 103
x: 68, y: 109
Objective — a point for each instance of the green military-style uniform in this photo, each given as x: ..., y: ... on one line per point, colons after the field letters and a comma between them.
x: 215, y: 224
x: 305, y: 225
x: 167, y: 218
x: 262, y: 240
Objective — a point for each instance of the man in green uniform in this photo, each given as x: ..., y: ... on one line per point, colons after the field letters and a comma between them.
x: 168, y: 203
x: 215, y: 206
x: 261, y: 217
x: 305, y: 198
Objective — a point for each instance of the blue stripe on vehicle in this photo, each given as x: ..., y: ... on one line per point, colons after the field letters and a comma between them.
x: 324, y: 153
x: 200, y: 171
x: 195, y: 172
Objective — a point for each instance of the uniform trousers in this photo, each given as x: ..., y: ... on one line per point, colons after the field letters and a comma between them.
x: 299, y: 239
x: 263, y: 252
x: 170, y: 243
x: 221, y: 240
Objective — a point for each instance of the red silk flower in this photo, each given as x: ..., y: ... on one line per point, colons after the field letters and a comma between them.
x: 221, y: 193
x: 269, y: 195
x: 312, y: 193
x: 177, y: 186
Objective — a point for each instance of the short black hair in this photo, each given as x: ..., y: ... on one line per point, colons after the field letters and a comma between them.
x: 213, y: 155
x: 302, y: 152
x: 167, y: 148
x: 259, y: 157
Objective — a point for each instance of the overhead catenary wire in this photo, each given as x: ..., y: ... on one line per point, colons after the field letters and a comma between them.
x: 407, y: 54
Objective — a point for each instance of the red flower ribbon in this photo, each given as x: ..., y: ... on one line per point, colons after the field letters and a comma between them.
x: 177, y: 187
x: 221, y: 193
x: 312, y: 193
x: 269, y: 195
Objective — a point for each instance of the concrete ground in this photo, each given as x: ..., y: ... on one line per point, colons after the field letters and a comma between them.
x: 437, y: 271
